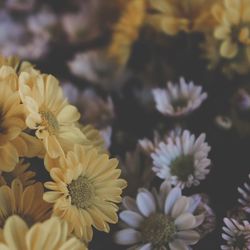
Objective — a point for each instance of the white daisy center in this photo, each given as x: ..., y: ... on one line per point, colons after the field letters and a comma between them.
x: 179, y: 103
x: 81, y: 192
x: 49, y: 121
x: 182, y: 167
x: 158, y: 229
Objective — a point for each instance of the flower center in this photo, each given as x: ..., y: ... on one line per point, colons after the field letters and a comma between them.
x: 81, y: 192
x: 179, y: 103
x: 182, y: 167
x: 158, y: 229
x: 49, y: 121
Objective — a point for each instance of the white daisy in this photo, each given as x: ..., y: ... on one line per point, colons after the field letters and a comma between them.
x: 161, y: 220
x: 182, y: 159
x: 178, y: 99
x: 245, y: 196
x: 236, y: 235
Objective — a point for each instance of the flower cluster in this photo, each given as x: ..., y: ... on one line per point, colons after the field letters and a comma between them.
x: 84, y: 186
x: 160, y: 85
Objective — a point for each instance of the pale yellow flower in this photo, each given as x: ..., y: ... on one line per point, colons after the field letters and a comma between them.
x: 14, y: 143
x: 172, y: 17
x: 49, y: 114
x: 126, y: 30
x: 84, y: 191
x: 51, y: 235
x: 22, y: 172
x: 26, y: 202
x: 233, y: 29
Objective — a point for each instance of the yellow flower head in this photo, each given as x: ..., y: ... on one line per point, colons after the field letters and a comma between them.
x: 233, y: 28
x: 49, y: 114
x: 85, y: 189
x: 21, y: 172
x: 25, y: 202
x: 126, y: 31
x: 171, y: 16
x: 51, y: 234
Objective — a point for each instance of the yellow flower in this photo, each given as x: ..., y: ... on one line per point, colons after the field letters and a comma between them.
x: 233, y: 29
x: 85, y: 189
x: 21, y: 172
x: 126, y: 31
x: 26, y: 202
x: 171, y: 16
x: 49, y: 235
x: 49, y: 114
x: 14, y: 143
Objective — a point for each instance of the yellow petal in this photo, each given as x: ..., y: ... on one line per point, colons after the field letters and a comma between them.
x: 228, y: 49
x: 222, y: 32
x: 14, y: 233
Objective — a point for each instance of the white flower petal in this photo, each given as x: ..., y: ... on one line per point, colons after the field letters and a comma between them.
x: 127, y: 237
x: 185, y: 221
x: 131, y: 218
x: 172, y: 197
x: 146, y: 203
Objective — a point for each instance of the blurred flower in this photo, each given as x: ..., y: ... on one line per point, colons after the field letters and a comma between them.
x: 20, y: 5
x: 95, y: 67
x: 95, y: 138
x: 223, y: 122
x: 83, y: 24
x: 22, y: 172
x: 49, y: 114
x: 17, y: 40
x: 95, y: 110
x: 236, y: 235
x: 106, y: 134
x: 172, y: 17
x: 182, y: 160
x: 161, y: 220
x: 136, y: 170
x: 126, y: 31
x: 85, y: 188
x: 228, y: 46
x: 245, y: 196
x: 51, y: 234
x: 178, y: 100
x: 233, y: 27
x: 71, y: 92
x: 26, y: 202
x: 43, y: 24
x: 149, y: 146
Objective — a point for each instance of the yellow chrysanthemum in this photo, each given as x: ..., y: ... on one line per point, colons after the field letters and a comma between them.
x: 233, y: 29
x: 14, y: 143
x: 49, y: 114
x: 26, y: 202
x: 49, y: 235
x: 21, y: 172
x: 126, y: 31
x: 171, y: 16
x: 85, y: 189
